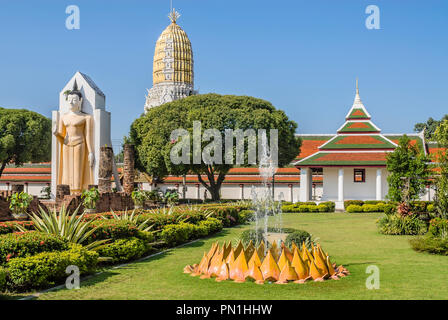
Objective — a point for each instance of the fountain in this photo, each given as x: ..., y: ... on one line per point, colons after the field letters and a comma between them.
x: 270, y: 260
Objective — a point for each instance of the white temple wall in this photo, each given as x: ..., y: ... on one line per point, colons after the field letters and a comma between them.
x: 353, y: 190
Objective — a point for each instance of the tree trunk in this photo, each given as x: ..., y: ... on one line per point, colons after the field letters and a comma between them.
x: 214, y: 187
x: 2, y: 168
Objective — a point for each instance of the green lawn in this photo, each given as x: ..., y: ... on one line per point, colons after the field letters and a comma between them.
x: 350, y: 239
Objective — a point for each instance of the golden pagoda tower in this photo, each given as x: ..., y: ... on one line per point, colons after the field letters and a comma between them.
x: 173, y: 75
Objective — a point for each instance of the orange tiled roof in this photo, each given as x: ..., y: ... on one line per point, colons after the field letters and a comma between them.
x: 346, y: 159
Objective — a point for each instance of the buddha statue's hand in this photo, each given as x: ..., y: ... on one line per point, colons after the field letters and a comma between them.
x: 91, y: 159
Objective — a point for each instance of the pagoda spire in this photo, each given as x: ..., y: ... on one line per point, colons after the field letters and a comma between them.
x: 357, y: 101
x: 174, y: 15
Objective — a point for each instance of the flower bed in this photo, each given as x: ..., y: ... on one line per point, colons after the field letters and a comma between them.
x: 31, y: 260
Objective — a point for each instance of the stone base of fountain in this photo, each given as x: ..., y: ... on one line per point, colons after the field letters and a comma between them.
x: 278, y: 264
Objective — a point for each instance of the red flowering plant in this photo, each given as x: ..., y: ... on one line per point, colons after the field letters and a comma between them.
x: 404, y: 209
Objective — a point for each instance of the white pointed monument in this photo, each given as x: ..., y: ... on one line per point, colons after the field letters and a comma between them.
x: 80, y: 128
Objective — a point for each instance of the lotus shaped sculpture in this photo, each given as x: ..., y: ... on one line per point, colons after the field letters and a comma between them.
x: 278, y: 264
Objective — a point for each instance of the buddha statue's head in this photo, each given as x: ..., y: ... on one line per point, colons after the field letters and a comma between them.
x: 74, y: 98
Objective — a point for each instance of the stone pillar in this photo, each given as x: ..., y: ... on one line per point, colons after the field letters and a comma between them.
x: 62, y: 190
x: 379, y: 185
x: 305, y: 184
x: 340, y: 203
x: 105, y: 170
x: 242, y: 191
x: 291, y: 193
x: 341, y: 185
x: 128, y: 168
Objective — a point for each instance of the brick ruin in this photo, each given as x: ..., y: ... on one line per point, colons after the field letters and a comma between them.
x: 116, y: 201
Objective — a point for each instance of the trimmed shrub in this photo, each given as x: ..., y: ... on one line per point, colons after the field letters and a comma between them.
x: 46, y: 268
x: 24, y: 244
x: 304, y: 208
x: 3, y: 275
x: 381, y: 206
x: 245, y: 216
x: 213, y: 225
x: 174, y: 234
x: 288, y: 208
x: 112, y: 229
x: 323, y: 208
x: 313, y: 208
x: 430, y: 244
x: 395, y: 225
x: 310, y: 203
x: 373, y: 202
x: 370, y: 208
x: 330, y: 204
x: 124, y: 249
x: 297, y: 237
x: 348, y: 203
x: 354, y: 208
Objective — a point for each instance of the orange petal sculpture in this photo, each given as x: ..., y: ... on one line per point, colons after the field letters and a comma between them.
x: 278, y: 264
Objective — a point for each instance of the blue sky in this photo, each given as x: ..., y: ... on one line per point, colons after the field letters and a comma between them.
x: 303, y: 56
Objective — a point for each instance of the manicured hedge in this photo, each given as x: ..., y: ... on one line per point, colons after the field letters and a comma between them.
x: 112, y: 229
x: 47, y: 268
x: 310, y: 206
x: 24, y: 244
x: 124, y: 249
x: 370, y: 208
x: 348, y: 203
x: 212, y: 225
x: 354, y: 208
x: 175, y: 234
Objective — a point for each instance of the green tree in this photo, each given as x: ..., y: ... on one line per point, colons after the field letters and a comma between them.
x: 151, y: 134
x: 24, y: 136
x: 409, y: 170
x: 441, y: 178
x: 429, y: 126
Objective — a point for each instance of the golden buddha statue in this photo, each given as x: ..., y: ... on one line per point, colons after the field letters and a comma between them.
x: 74, y: 132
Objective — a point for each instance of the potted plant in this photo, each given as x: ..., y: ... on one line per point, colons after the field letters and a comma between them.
x: 89, y: 200
x: 154, y: 196
x: 139, y: 197
x: 171, y: 197
x: 19, y: 203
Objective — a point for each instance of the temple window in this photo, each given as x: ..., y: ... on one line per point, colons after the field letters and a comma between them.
x: 359, y: 175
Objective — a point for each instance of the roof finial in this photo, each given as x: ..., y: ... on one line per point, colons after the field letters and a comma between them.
x: 174, y: 15
x: 357, y: 88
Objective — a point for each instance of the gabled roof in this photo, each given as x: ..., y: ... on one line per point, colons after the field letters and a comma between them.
x: 357, y: 113
x: 322, y: 159
x: 311, y: 143
x: 358, y: 142
x: 351, y: 127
